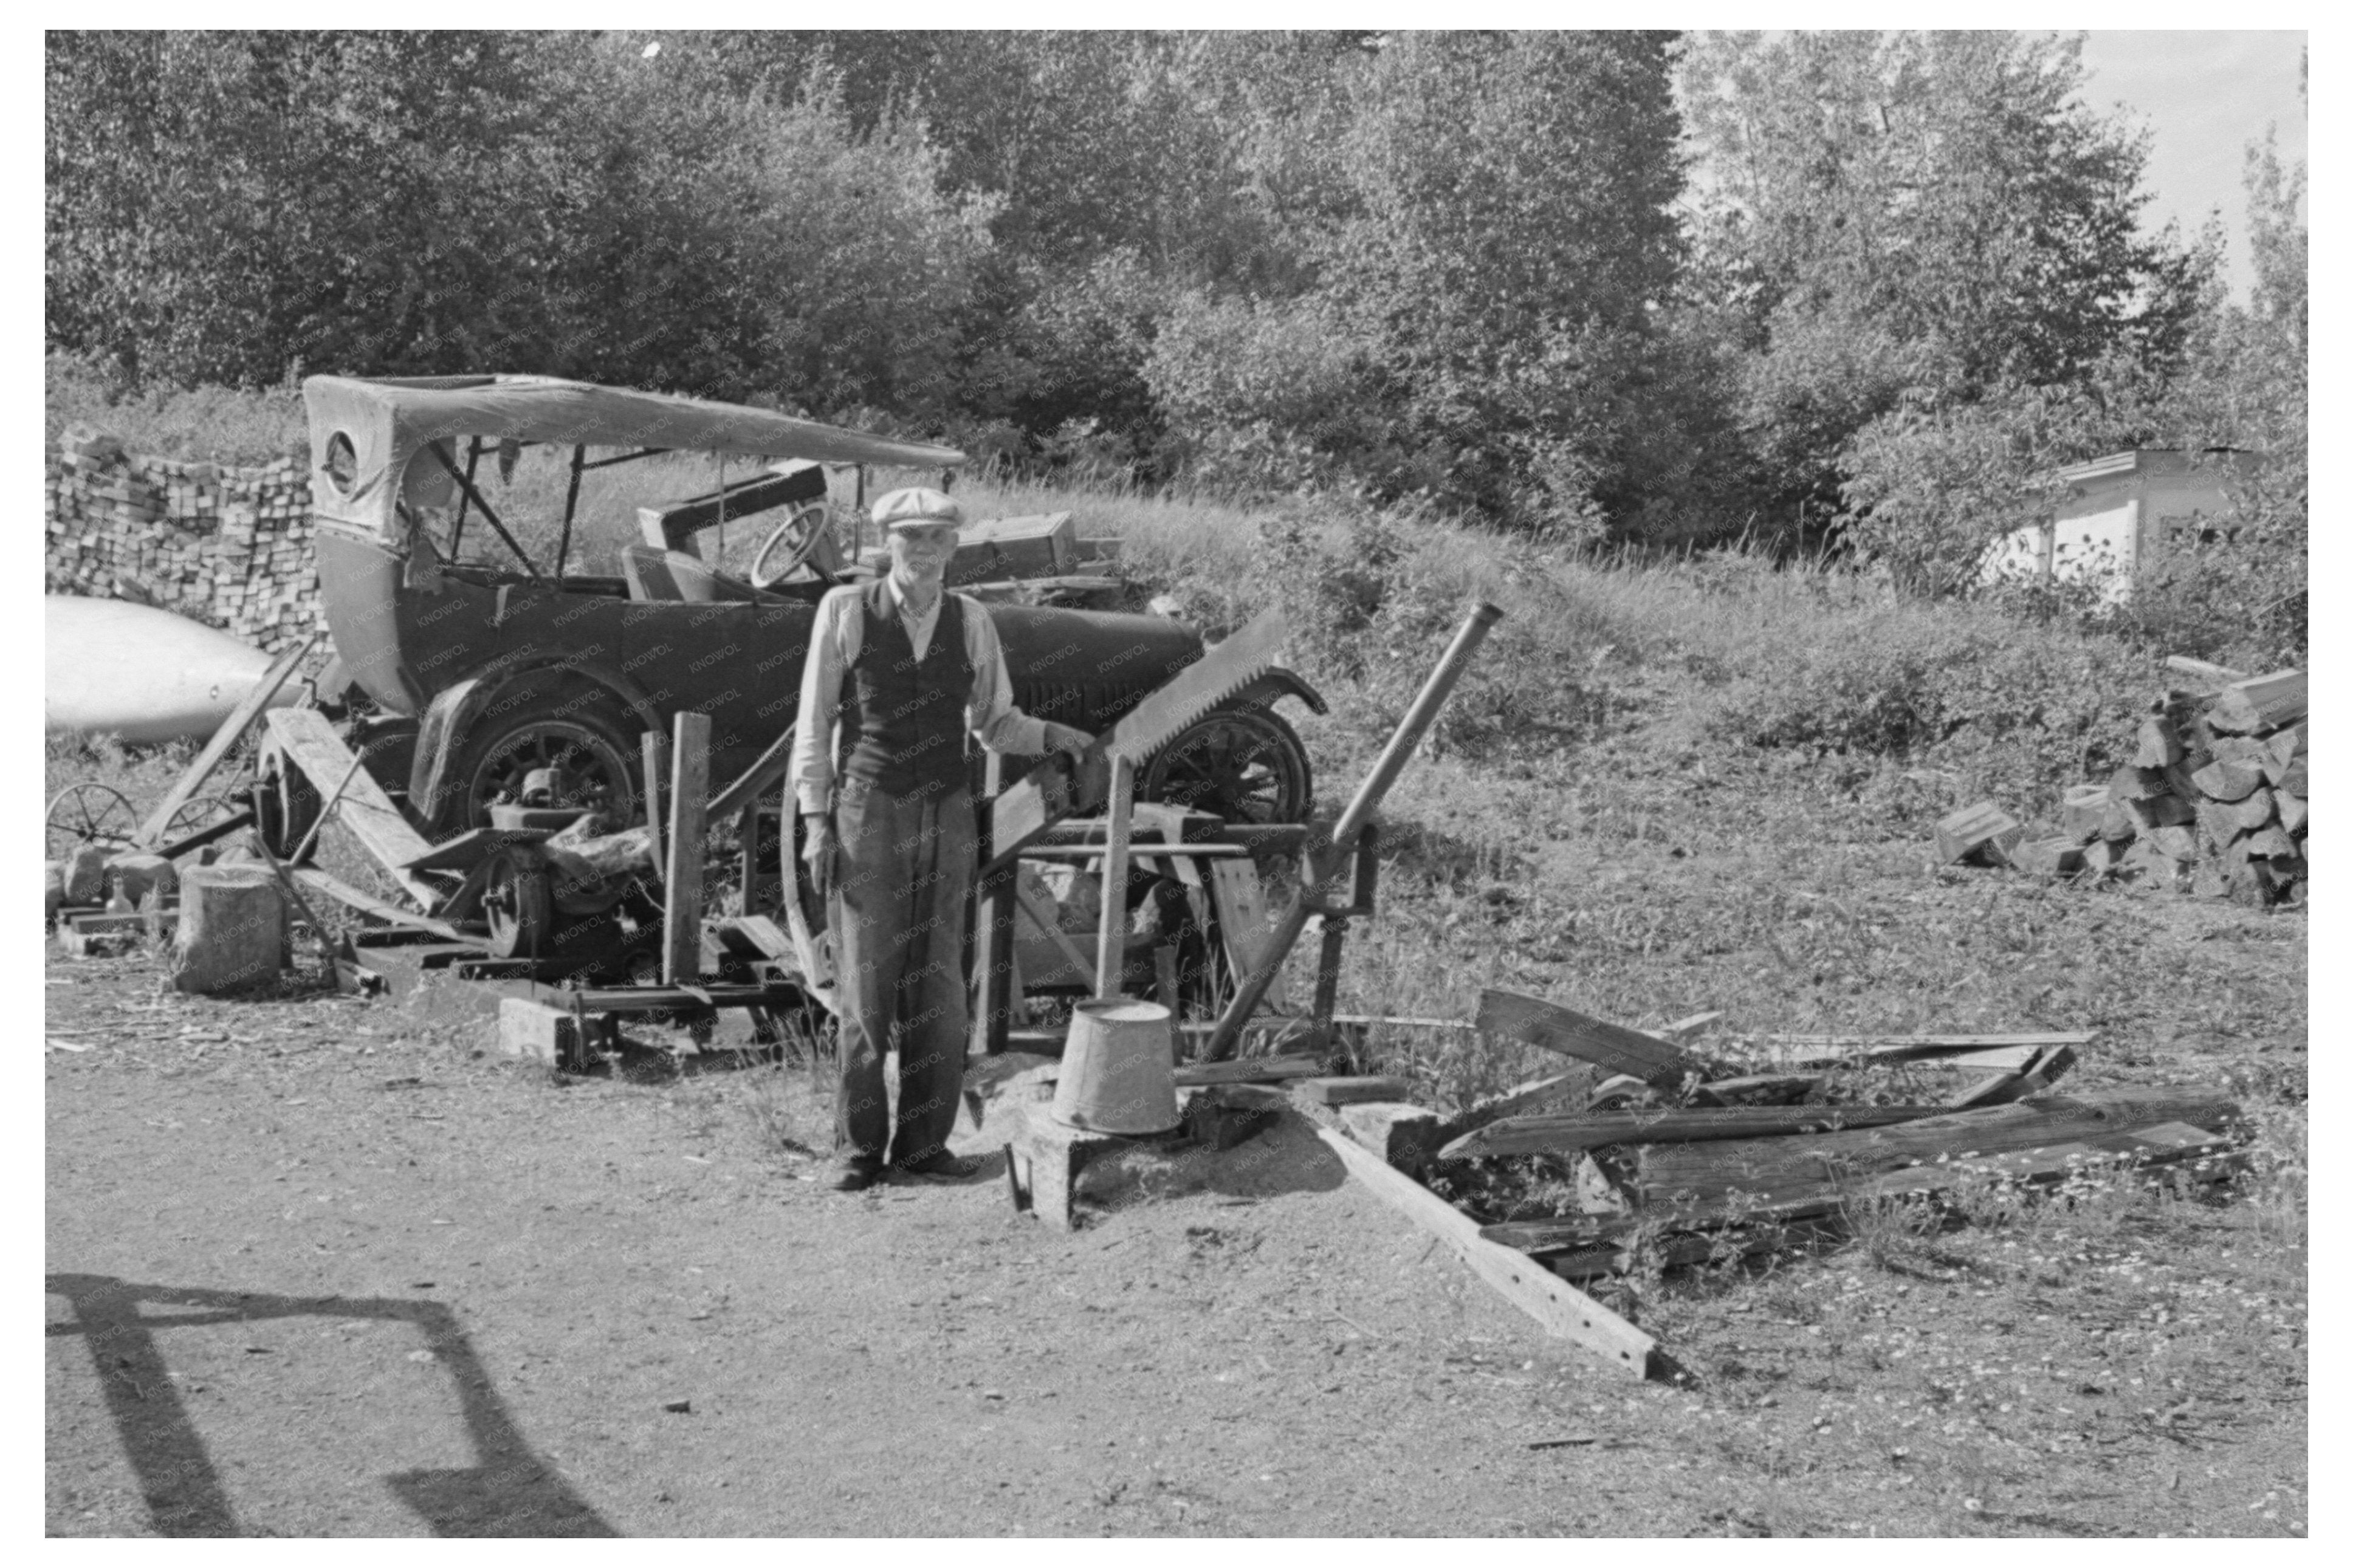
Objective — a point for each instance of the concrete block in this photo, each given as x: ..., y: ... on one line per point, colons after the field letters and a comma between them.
x: 536, y: 1031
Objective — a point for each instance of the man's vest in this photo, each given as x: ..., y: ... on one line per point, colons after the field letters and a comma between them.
x: 903, y: 721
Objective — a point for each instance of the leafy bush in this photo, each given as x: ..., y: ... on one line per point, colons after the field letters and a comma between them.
x: 206, y: 424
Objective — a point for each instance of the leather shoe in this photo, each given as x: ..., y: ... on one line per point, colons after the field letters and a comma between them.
x: 855, y: 1175
x: 942, y: 1164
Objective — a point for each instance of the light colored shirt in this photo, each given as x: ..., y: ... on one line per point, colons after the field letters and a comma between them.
x: 834, y: 644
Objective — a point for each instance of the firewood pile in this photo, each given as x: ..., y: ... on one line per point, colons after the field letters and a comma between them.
x: 227, y: 546
x: 2213, y: 801
x: 1688, y: 1155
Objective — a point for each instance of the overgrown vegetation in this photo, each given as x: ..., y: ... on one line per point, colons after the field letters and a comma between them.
x: 1603, y: 288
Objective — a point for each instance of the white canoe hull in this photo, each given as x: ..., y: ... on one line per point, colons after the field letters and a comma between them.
x: 143, y: 674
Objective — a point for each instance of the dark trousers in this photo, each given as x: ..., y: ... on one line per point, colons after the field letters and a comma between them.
x: 905, y: 870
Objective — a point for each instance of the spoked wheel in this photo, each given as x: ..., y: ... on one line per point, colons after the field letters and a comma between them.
x: 1245, y: 764
x: 517, y: 905
x: 586, y: 747
x: 196, y: 812
x: 286, y: 804
x: 89, y: 814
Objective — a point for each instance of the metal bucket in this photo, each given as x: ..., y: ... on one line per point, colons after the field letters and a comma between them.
x: 1118, y: 1069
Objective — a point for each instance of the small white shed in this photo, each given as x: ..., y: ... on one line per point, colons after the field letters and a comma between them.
x: 2117, y: 514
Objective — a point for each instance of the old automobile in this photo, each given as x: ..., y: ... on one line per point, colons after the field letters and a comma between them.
x: 470, y: 668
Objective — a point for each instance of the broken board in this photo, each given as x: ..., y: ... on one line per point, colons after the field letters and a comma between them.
x: 311, y: 744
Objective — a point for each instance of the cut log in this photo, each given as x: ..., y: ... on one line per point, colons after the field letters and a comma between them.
x: 1983, y: 833
x: 1404, y: 1136
x: 135, y: 876
x: 2285, y: 747
x: 232, y: 930
x: 85, y: 874
x: 2260, y: 703
x: 1668, y: 1173
x: 2119, y: 826
x: 2296, y: 778
x: 2049, y: 857
x: 1535, y: 1021
x: 2129, y: 782
x: 2256, y: 811
x: 2271, y: 843
x: 2160, y: 746
x: 2086, y: 807
x: 2291, y: 811
x: 1564, y: 1311
x: 2167, y: 810
x: 2218, y: 780
x: 1567, y: 1134
x: 2177, y: 844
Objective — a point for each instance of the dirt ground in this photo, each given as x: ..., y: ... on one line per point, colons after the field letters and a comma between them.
x: 322, y: 1267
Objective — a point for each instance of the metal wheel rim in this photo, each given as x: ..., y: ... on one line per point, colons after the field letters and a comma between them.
x: 87, y: 813
x: 553, y: 743
x: 1226, y: 758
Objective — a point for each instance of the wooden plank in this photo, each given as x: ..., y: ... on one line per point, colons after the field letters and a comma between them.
x: 1563, y: 1310
x: 1767, y: 1166
x: 2199, y: 670
x: 2261, y: 702
x: 1242, y: 927
x: 1982, y: 831
x: 1832, y: 1050
x: 689, y: 790
x: 473, y: 847
x: 653, y: 753
x: 1567, y: 1134
x: 391, y: 914
x: 1536, y: 1022
x: 997, y: 981
x: 311, y: 744
x: 224, y: 741
x: 1350, y: 1090
x: 1110, y: 931
x: 1255, y: 1069
x: 2033, y: 1077
x: 2157, y: 1144
x: 1529, y: 1095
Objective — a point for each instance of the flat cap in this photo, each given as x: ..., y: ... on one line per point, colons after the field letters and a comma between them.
x: 916, y: 505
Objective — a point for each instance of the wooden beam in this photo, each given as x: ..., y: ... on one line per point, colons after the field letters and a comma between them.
x: 1111, y: 934
x: 689, y: 790
x: 1242, y: 928
x: 311, y: 744
x: 1557, y: 1029
x: 366, y: 904
x: 224, y: 741
x: 1048, y: 921
x: 2157, y: 1143
x: 1566, y: 1134
x: 1564, y: 1311
x: 995, y: 900
x: 1255, y: 1069
x: 1768, y: 1167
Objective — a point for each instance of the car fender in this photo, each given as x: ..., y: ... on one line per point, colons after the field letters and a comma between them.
x: 1272, y: 687
x: 450, y: 717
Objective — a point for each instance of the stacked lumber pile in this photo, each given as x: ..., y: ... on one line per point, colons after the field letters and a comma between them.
x: 230, y: 547
x: 1684, y: 1157
x: 2214, y: 799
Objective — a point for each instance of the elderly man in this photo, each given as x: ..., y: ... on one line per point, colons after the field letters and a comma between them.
x: 906, y: 671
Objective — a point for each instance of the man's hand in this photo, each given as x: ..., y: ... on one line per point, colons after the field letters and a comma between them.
x: 818, y: 855
x: 1064, y: 739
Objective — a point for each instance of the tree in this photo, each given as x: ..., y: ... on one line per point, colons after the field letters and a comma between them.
x: 1917, y: 218
x: 1511, y: 243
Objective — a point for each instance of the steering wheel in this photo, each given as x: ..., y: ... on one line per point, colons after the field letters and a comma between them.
x: 790, y: 545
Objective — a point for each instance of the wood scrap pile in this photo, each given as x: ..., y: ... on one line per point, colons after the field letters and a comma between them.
x: 1685, y: 1157
x: 2214, y: 799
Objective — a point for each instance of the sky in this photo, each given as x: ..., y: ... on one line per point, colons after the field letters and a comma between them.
x: 2204, y: 95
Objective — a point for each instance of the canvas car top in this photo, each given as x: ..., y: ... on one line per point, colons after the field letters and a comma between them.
x: 384, y: 423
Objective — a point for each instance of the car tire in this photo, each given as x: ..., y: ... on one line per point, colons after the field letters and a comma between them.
x: 586, y: 733
x: 1246, y: 764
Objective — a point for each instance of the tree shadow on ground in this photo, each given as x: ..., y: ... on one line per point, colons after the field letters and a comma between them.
x: 510, y: 1490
